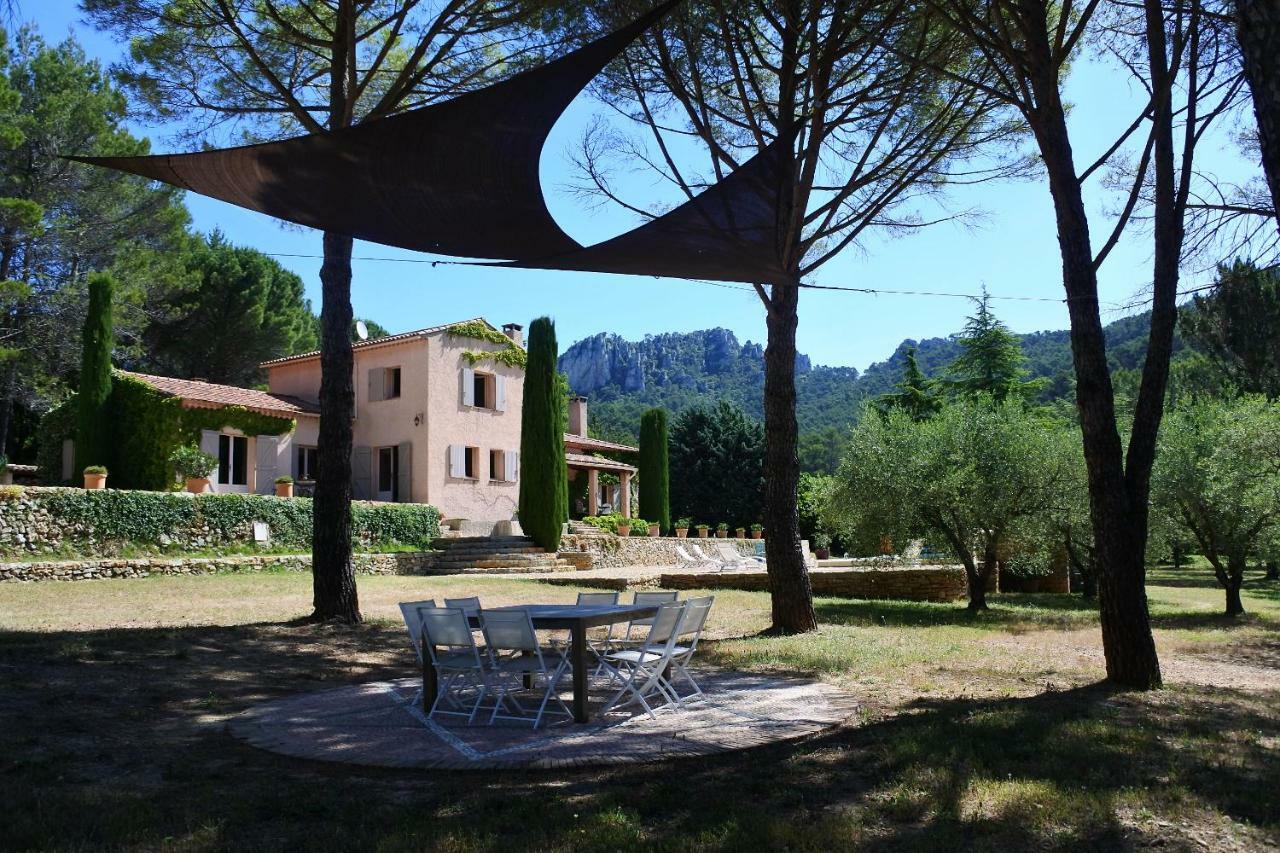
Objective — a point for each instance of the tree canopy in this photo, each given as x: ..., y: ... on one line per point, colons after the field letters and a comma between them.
x: 1236, y: 325
x: 717, y: 466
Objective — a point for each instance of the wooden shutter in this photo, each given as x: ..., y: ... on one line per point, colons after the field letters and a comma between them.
x: 268, y: 458
x: 468, y: 387
x: 209, y: 444
x: 361, y: 473
x: 457, y: 460
x: 509, y: 461
x: 500, y: 393
x: 376, y: 378
x: 404, y: 476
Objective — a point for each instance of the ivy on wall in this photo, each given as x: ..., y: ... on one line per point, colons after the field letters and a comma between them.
x: 235, y: 417
x: 510, y: 354
x: 58, y: 423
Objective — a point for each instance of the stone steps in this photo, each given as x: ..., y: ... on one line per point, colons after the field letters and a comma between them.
x: 499, y: 555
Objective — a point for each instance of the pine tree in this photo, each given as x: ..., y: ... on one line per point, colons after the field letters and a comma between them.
x: 991, y: 361
x: 654, y: 469
x: 544, y: 480
x: 93, y: 439
x: 1236, y: 323
x: 915, y: 394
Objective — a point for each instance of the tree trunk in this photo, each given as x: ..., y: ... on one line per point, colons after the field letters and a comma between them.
x: 6, y: 404
x: 791, y: 594
x: 1119, y: 548
x: 1273, y: 570
x: 1258, y: 30
x: 333, y: 575
x: 977, y: 582
x: 1232, y: 581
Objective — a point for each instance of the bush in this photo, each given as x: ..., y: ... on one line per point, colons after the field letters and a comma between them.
x: 96, y: 469
x: 683, y: 523
x: 608, y: 522
x: 190, y: 462
x: 284, y: 481
x: 10, y: 493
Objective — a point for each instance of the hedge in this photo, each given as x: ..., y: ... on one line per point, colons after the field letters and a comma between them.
x: 57, y: 424
x: 146, y: 517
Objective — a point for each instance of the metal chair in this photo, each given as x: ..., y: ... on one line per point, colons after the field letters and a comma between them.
x: 695, y: 619
x: 460, y: 665
x: 413, y: 624
x: 517, y: 656
x: 642, y: 669
x: 599, y: 639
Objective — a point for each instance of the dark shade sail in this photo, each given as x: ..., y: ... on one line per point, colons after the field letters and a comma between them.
x: 461, y: 178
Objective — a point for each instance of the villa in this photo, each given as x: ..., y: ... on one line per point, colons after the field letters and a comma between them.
x: 437, y: 420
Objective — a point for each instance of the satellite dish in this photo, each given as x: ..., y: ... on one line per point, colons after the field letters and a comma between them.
x: 362, y: 331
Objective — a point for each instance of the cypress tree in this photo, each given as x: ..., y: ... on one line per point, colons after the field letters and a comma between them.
x: 93, y: 437
x: 654, y: 470
x: 544, y: 481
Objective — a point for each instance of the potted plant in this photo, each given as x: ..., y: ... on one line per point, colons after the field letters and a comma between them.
x: 682, y: 528
x: 655, y: 529
x: 722, y: 530
x: 284, y: 487
x: 741, y: 532
x: 639, y: 527
x: 757, y: 530
x: 702, y: 531
x: 624, y: 526
x: 194, y: 466
x: 822, y: 546
x: 95, y: 477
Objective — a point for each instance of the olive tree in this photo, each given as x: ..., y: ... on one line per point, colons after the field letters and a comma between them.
x: 975, y: 475
x: 1218, y: 477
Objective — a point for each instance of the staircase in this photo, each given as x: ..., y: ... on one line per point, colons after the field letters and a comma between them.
x: 479, y: 555
x: 589, y: 531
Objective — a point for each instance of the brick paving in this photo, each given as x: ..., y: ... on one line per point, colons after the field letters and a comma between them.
x: 376, y: 724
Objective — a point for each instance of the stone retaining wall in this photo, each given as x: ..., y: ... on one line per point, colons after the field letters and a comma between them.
x: 611, y: 552
x: 407, y: 563
x: 928, y: 583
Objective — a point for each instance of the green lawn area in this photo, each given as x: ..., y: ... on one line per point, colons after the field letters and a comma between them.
x: 981, y: 733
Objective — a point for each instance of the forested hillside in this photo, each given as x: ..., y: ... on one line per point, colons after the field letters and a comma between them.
x: 674, y: 371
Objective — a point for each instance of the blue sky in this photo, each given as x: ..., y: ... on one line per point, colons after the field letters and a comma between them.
x: 1012, y: 250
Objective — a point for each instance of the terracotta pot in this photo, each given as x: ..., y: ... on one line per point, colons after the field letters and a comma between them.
x: 741, y: 533
x: 284, y: 490
x: 702, y: 532
x: 95, y: 481
x: 682, y: 532
x: 756, y: 534
x: 624, y: 529
x: 722, y: 534
x: 654, y: 530
x: 197, y: 485
x: 823, y: 553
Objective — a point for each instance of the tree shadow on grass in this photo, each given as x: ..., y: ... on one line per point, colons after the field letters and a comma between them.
x: 116, y: 738
x: 1008, y: 611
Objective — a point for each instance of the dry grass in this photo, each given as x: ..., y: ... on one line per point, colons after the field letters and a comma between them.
x: 986, y: 733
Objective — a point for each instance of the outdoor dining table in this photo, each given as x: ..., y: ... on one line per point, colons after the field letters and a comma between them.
x: 578, y: 619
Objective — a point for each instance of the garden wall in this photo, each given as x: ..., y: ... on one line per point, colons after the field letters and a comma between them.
x: 414, y: 563
x: 927, y: 583
x: 38, y: 520
x: 610, y: 552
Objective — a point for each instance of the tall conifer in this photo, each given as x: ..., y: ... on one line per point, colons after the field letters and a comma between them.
x: 544, y: 485
x: 93, y: 440
x: 654, y: 471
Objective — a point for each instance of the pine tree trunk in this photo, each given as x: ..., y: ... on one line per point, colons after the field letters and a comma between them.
x: 1119, y: 554
x: 333, y: 575
x: 791, y: 593
x: 1258, y: 30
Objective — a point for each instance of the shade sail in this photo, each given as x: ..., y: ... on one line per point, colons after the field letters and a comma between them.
x: 461, y: 178
x: 455, y: 178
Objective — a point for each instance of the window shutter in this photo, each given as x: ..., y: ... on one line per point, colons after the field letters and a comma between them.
x: 404, y: 476
x: 468, y: 387
x: 268, y: 454
x: 376, y: 390
x: 209, y: 444
x: 361, y: 476
x: 509, y: 459
x: 500, y: 391
x: 457, y: 460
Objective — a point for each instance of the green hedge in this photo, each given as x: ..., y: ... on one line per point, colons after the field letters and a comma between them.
x: 143, y: 518
x: 57, y: 424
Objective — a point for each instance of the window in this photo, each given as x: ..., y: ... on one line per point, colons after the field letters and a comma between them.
x: 503, y: 465
x: 388, y: 473
x: 481, y: 391
x: 384, y: 383
x: 306, y: 467
x: 484, y: 390
x: 469, y: 466
x: 464, y: 462
x: 497, y: 470
x: 233, y: 460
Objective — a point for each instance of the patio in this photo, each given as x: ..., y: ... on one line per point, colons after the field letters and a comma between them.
x: 378, y: 724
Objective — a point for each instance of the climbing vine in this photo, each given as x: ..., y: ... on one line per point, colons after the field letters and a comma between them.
x: 510, y: 354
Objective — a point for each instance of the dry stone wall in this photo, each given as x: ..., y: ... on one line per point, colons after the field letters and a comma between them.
x: 412, y: 563
x: 611, y: 552
x: 927, y: 583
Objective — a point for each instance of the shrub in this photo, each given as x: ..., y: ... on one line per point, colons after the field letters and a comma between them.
x: 283, y: 481
x: 724, y: 525
x: 821, y: 541
x: 96, y: 469
x: 757, y: 528
x: 10, y: 493
x: 607, y: 522
x: 683, y: 523
x: 192, y: 463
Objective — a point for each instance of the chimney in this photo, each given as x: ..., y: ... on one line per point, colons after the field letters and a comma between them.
x: 514, y: 331
x: 578, y: 416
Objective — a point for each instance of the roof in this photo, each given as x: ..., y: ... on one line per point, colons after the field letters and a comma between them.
x: 380, y: 342
x: 210, y: 395
x: 580, y: 460
x: 596, y: 444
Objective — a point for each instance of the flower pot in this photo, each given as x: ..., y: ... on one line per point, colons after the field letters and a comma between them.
x: 722, y: 534
x: 682, y: 532
x: 702, y: 532
x: 284, y: 490
x: 756, y: 534
x: 654, y: 530
x: 95, y: 481
x: 823, y: 553
x: 624, y: 529
x: 197, y: 485
x: 741, y: 533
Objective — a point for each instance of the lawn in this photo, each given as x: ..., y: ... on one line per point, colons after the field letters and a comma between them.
x: 987, y: 732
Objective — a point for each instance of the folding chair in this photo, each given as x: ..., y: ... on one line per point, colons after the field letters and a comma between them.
x: 599, y: 639
x: 413, y: 624
x: 695, y: 619
x: 642, y: 669
x: 688, y: 561
x: 662, y: 597
x: 459, y: 664
x: 516, y: 653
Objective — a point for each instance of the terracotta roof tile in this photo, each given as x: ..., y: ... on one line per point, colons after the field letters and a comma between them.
x: 211, y: 395
x: 572, y: 440
x: 374, y: 342
x: 585, y: 461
